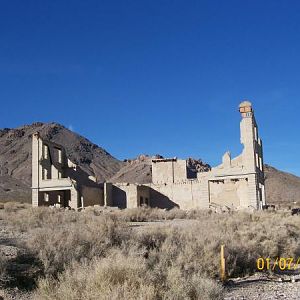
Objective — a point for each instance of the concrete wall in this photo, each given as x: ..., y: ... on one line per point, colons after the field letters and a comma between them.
x: 108, y: 194
x: 180, y: 170
x: 125, y: 195
x: 130, y: 195
x: 168, y: 170
x: 91, y: 196
x: 229, y: 192
x: 185, y: 195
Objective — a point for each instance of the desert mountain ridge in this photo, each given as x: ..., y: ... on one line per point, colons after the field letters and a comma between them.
x: 15, y: 164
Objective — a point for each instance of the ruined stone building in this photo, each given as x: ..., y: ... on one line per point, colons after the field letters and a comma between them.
x: 57, y: 181
x: 235, y: 183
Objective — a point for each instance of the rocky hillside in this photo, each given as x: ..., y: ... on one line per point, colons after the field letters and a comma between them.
x: 15, y: 157
x: 282, y: 188
x: 136, y: 170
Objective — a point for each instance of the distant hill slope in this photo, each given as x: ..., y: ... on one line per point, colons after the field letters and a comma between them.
x: 15, y: 157
x: 282, y: 188
x: 134, y: 171
x: 12, y: 189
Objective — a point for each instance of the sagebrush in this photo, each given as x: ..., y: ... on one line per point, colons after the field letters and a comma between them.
x: 100, y: 252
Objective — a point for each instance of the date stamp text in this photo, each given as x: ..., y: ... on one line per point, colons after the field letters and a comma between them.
x: 283, y: 263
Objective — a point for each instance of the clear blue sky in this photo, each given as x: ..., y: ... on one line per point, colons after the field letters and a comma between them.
x: 155, y: 76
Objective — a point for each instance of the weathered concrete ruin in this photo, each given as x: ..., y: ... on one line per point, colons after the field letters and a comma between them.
x: 236, y: 183
x: 59, y: 182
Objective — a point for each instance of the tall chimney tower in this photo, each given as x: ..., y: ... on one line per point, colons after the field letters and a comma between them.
x: 252, y: 155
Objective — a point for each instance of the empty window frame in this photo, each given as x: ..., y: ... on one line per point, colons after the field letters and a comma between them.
x: 45, y: 174
x: 59, y: 155
x: 46, y: 197
x: 45, y: 152
x: 141, y: 200
x: 146, y: 201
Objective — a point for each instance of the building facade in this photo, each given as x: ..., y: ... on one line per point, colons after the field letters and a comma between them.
x: 56, y: 181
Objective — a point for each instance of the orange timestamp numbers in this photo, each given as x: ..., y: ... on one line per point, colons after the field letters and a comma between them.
x: 283, y: 263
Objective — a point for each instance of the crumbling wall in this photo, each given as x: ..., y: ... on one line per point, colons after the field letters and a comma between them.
x: 125, y: 195
x: 237, y: 183
x: 54, y: 177
x: 229, y: 192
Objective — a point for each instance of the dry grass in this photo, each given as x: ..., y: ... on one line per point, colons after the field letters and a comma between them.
x: 94, y: 253
x: 126, y: 277
x: 245, y: 236
x: 58, y: 237
x: 146, y: 214
x: 14, y: 206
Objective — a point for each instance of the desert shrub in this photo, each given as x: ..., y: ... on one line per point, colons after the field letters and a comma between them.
x: 22, y: 219
x: 159, y: 260
x: 71, y: 237
x: 4, y: 277
x: 147, y: 214
x: 261, y: 235
x: 57, y: 237
x: 196, y: 247
x: 141, y: 214
x: 195, y: 286
x: 10, y: 207
x: 125, y: 277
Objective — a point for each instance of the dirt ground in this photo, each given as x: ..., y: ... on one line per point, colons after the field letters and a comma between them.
x: 258, y: 287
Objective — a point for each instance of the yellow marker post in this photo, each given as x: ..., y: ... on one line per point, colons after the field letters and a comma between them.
x: 222, y: 269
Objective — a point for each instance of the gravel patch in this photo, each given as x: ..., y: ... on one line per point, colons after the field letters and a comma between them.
x: 261, y: 287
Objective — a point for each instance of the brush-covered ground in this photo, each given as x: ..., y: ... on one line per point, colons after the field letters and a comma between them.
x: 138, y: 253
